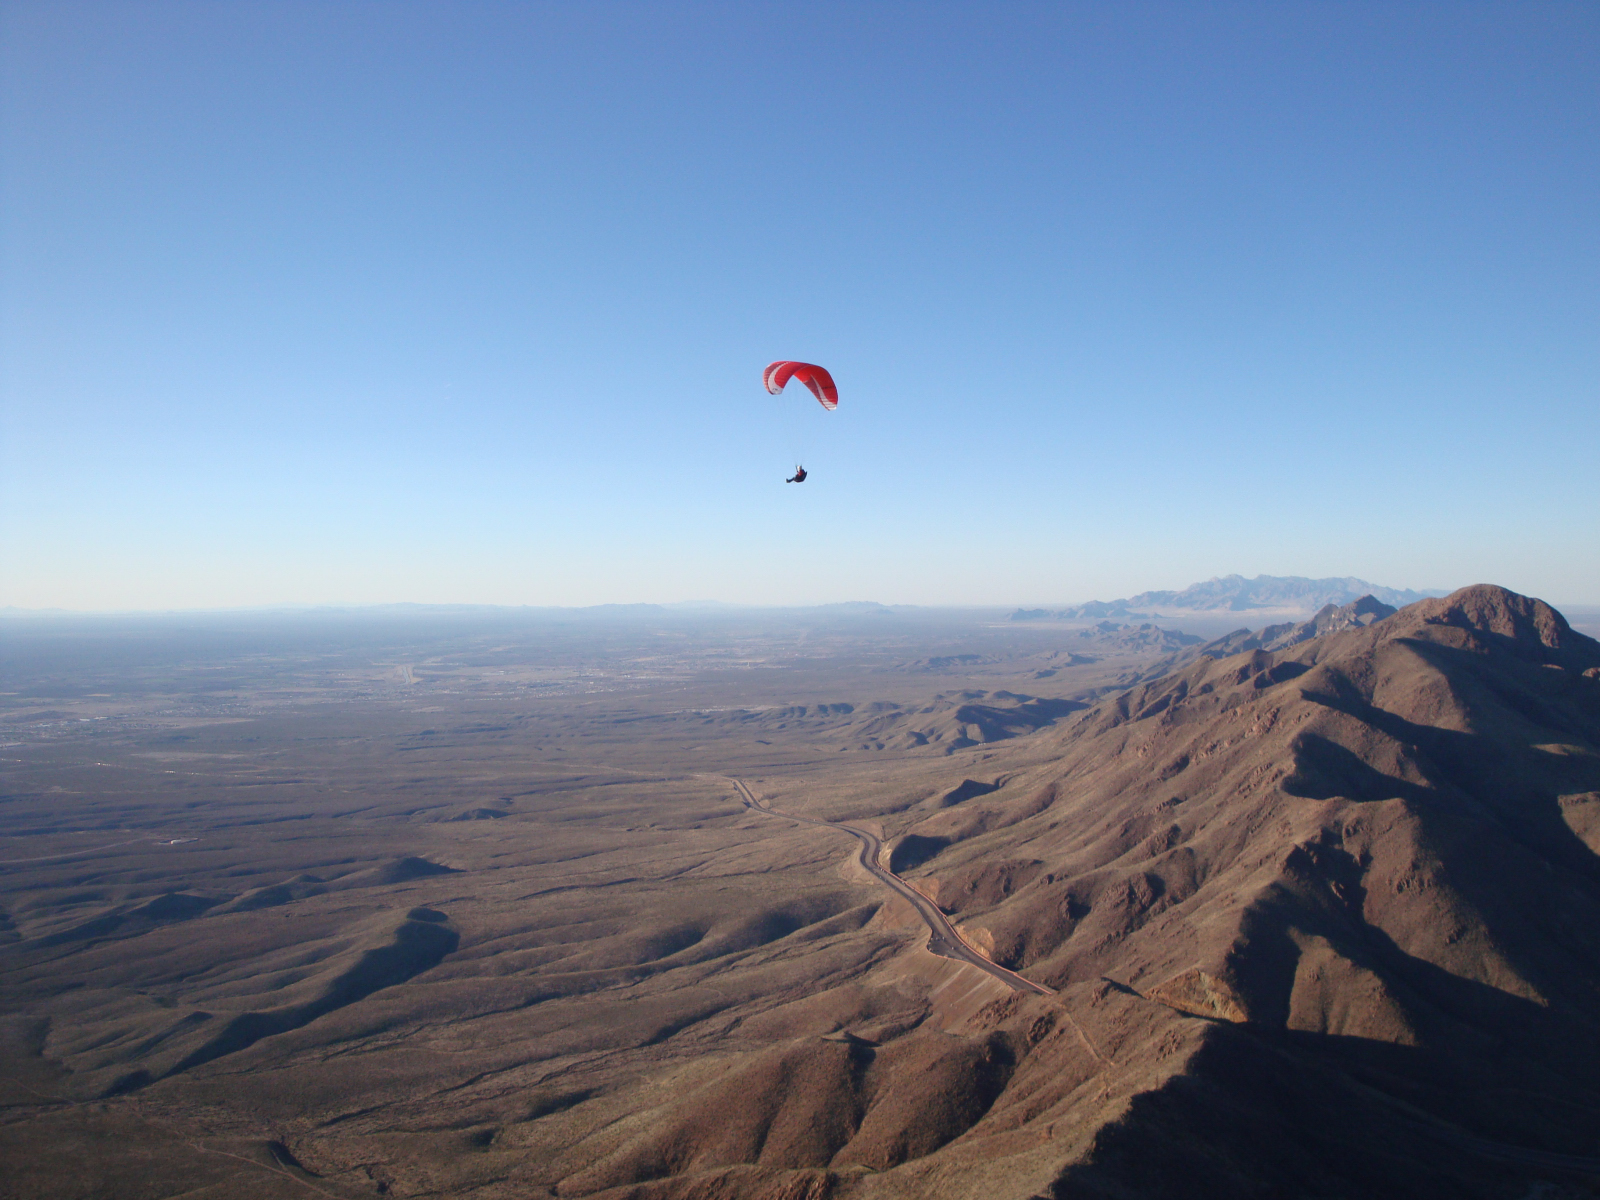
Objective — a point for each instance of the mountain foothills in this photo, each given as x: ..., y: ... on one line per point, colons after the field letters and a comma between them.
x: 1233, y: 593
x: 1308, y: 911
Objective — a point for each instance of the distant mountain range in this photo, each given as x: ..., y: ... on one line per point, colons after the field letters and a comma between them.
x: 1235, y: 593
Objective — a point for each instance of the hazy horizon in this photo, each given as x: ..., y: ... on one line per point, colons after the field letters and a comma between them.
x: 687, y: 607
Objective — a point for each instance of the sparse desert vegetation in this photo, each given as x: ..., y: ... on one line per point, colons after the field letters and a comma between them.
x: 435, y: 908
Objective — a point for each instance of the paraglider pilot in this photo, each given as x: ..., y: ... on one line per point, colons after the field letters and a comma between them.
x: 817, y: 381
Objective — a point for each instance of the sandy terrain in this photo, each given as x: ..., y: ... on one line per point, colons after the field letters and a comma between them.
x: 476, y: 909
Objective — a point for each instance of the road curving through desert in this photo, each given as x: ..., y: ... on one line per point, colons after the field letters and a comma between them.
x: 943, y: 938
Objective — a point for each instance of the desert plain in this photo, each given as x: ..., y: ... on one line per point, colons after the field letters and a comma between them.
x: 491, y: 903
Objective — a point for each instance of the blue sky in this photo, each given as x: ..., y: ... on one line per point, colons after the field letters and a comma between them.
x: 468, y: 302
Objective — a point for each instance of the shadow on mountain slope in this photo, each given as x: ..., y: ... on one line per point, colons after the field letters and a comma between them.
x: 1367, y: 851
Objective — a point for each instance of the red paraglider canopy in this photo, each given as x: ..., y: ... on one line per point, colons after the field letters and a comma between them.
x: 814, y: 377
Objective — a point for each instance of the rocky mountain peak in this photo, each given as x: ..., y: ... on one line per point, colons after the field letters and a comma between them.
x: 1527, y: 627
x: 1332, y: 618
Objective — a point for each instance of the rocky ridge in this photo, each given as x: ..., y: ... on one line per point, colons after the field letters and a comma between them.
x: 1368, y: 860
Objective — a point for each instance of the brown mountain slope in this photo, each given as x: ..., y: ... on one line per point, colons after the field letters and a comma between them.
x: 1369, y: 858
x: 1324, y: 922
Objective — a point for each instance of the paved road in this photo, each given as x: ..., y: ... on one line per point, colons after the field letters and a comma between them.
x: 943, y: 938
